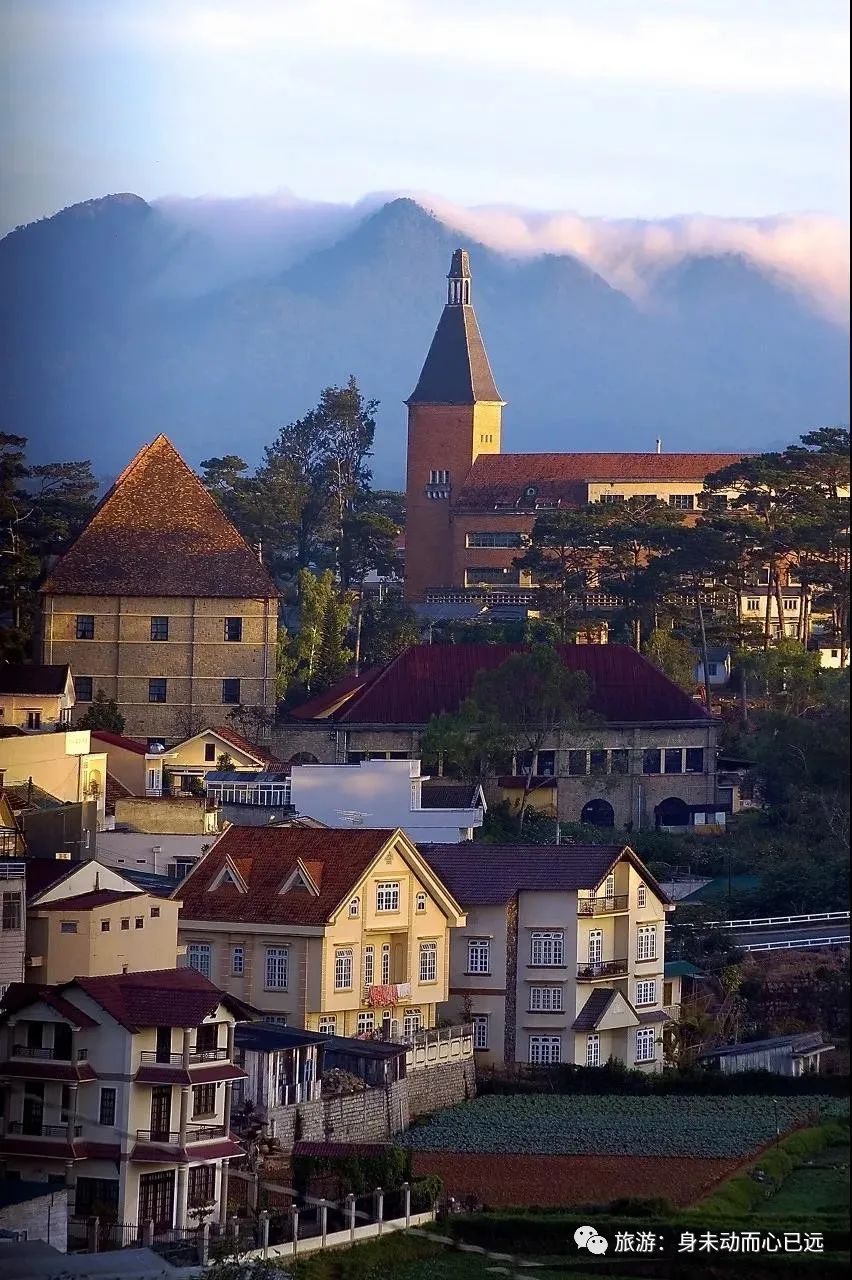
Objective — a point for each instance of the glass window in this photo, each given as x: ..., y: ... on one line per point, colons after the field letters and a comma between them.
x: 420, y: 902
x: 752, y: 605
x: 204, y: 1100
x: 673, y: 760
x: 68, y: 926
x: 547, y: 947
x: 201, y: 1185
x: 354, y: 908
x: 238, y: 961
x: 694, y: 759
x: 233, y: 629
x: 593, y: 1051
x: 230, y: 691
x: 645, y: 1044
x: 85, y: 628
x: 83, y: 688
x: 619, y: 760
x: 106, y: 1114
x: 11, y: 918
x: 387, y: 896
x: 546, y: 999
x: 641, y: 896
x: 210, y: 753
x: 646, y: 948
x: 485, y: 539
x: 386, y: 962
x: 480, y: 1030
x: 682, y: 501
x: 157, y: 690
x: 597, y: 763
x: 198, y: 955
x: 366, y: 1023
x: 139, y: 922
x: 412, y: 1021
x: 328, y: 1024
x: 651, y: 760
x: 105, y: 926
x: 578, y: 765
x: 428, y: 962
x: 369, y: 966
x: 343, y: 969
x: 159, y: 628
x: 275, y: 972
x: 125, y: 924
x: 546, y: 764
x: 479, y: 955
x: 646, y: 992
x: 545, y: 1050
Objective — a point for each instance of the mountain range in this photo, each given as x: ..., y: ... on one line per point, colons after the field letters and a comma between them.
x: 118, y: 321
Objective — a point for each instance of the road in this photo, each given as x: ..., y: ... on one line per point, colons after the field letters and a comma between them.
x: 793, y: 936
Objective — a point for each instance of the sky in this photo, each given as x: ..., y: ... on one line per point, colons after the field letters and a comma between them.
x: 609, y: 108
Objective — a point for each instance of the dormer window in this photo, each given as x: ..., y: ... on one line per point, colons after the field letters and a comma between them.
x: 354, y: 908
x: 228, y: 875
x: 420, y: 902
x: 299, y: 879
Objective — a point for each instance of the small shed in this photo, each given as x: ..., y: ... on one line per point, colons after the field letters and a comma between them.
x: 792, y: 1055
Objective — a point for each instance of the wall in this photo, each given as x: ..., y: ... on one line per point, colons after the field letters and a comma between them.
x: 486, y: 992
x: 14, y: 708
x: 166, y: 815
x: 63, y: 764
x: 44, y: 1217
x: 12, y: 940
x: 93, y: 951
x: 149, y: 852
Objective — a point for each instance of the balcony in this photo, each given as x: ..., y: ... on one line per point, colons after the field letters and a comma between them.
x: 207, y: 1055
x: 601, y: 906
x: 150, y: 1057
x: 595, y: 970
x: 25, y: 1129
x: 42, y: 1055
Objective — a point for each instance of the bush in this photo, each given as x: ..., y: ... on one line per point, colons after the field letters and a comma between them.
x: 426, y: 1192
x: 746, y: 1191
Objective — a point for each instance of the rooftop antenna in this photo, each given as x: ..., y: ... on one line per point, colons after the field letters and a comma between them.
x: 353, y: 817
x: 659, y: 445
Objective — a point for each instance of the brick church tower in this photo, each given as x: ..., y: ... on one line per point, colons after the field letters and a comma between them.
x: 454, y: 414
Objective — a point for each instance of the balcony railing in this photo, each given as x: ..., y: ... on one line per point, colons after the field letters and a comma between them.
x: 43, y: 1055
x: 601, y: 906
x: 151, y: 1057
x: 10, y: 870
x: 208, y: 1055
x: 594, y: 969
x: 29, y: 1130
x: 172, y: 1137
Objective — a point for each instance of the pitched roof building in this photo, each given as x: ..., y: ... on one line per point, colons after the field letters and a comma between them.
x: 470, y: 506
x: 162, y: 604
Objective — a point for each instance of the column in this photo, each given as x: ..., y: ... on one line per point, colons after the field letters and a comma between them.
x: 230, y: 1041
x: 184, y: 1112
x: 186, y: 1035
x: 226, y: 1120
x: 72, y: 1113
x: 223, y: 1195
x: 71, y: 1186
x: 180, y: 1208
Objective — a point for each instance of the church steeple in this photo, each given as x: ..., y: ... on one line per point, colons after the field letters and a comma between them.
x: 456, y: 370
x: 458, y: 288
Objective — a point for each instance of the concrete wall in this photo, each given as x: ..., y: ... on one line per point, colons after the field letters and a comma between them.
x: 63, y: 764
x: 44, y: 1217
x: 12, y: 940
x: 139, y: 933
x: 167, y: 815
x: 140, y: 851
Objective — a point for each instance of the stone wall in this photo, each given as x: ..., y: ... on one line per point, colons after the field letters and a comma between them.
x: 44, y: 1216
x: 442, y: 1087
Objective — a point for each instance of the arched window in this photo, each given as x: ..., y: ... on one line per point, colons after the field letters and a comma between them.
x: 354, y: 908
x: 598, y: 813
x: 595, y: 946
x: 672, y: 812
x: 420, y: 902
x: 386, y: 963
x: 303, y: 757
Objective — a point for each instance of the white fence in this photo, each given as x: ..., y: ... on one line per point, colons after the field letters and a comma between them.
x: 796, y: 944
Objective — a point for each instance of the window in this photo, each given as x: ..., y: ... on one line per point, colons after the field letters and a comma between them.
x: 545, y: 764
x: 412, y: 1021
x: 197, y: 955
x: 233, y: 630
x: 238, y: 961
x: 366, y: 1023
x: 204, y: 1100
x: 619, y: 760
x: 125, y: 924
x: 645, y: 1044
x: 328, y: 1025
x: 159, y: 628
x: 210, y: 753
x: 386, y: 961
x: 505, y: 540
x: 545, y: 1050
x: 439, y: 477
x: 105, y: 926
x: 611, y: 498
x: 33, y: 719
x: 68, y: 926
x: 85, y: 629
x: 155, y: 913
x: 752, y: 605
x: 11, y: 911
x: 139, y: 922
x: 791, y: 604
x: 157, y: 690
x: 106, y: 1115
x: 595, y: 946
x: 546, y: 999
x: 275, y: 970
x: 694, y: 759
x: 83, y: 688
x: 369, y: 966
x: 597, y: 763
x: 646, y: 948
x: 578, y: 765
x: 387, y: 896
x: 712, y: 668
x: 485, y: 575
x: 547, y: 947
x: 651, y: 760
x: 682, y: 501
x: 479, y: 955
x: 230, y: 691
x: 343, y: 969
x: 428, y: 962
x: 201, y: 1185
x: 641, y: 896
x: 480, y: 1030
x: 609, y: 886
x: 646, y: 992
x: 673, y: 760
x: 354, y: 908
x: 420, y: 902
x: 593, y: 1051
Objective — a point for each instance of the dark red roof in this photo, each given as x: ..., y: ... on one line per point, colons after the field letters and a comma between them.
x: 334, y: 1150
x: 85, y: 901
x: 479, y: 874
x: 237, y: 740
x: 317, y: 708
x: 503, y: 478
x: 33, y: 678
x: 428, y: 679
x: 118, y: 740
x: 158, y: 532
x: 114, y: 790
x: 265, y: 857
x: 20, y: 995
x: 157, y: 998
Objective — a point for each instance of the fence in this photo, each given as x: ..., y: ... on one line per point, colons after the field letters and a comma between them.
x: 797, y: 944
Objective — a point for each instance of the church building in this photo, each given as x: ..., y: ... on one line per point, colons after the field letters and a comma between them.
x: 472, y: 507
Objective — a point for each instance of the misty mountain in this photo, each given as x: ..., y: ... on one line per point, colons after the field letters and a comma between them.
x: 118, y: 321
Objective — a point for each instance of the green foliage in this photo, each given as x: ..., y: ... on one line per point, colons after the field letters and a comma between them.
x: 103, y: 713
x: 389, y: 627
x: 318, y: 655
x: 674, y: 655
x: 357, y: 1174
x: 747, y: 1191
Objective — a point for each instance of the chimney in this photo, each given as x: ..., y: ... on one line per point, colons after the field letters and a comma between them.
x: 659, y: 445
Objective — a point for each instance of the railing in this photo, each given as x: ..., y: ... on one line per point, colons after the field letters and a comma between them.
x: 152, y: 1058
x: 44, y: 1055
x: 591, y: 970
x: 204, y: 1132
x: 601, y: 906
x: 769, y: 922
x: 10, y: 870
x: 797, y: 944
x: 44, y: 1130
x: 208, y: 1055
x: 174, y: 1138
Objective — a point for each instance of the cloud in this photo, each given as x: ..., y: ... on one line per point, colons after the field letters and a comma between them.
x: 810, y: 251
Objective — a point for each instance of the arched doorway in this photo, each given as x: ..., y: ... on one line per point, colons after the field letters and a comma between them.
x: 303, y: 757
x: 672, y: 812
x: 598, y: 813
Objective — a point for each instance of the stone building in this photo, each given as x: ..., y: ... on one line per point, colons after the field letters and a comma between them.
x: 161, y: 604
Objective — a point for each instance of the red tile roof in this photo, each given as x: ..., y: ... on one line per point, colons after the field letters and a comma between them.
x: 157, y: 998
x: 118, y: 740
x: 114, y: 790
x: 265, y: 857
x: 317, y: 708
x: 85, y: 901
x: 504, y: 477
x: 20, y: 995
x: 237, y: 740
x: 158, y: 532
x: 428, y: 679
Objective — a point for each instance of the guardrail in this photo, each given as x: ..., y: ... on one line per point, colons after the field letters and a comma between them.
x: 768, y: 922
x: 12, y: 870
x: 796, y: 944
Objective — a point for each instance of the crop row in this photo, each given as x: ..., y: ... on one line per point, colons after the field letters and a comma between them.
x: 710, y: 1127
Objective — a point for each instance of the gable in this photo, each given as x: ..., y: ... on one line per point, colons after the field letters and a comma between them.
x: 618, y: 1014
x: 398, y: 857
x: 85, y: 878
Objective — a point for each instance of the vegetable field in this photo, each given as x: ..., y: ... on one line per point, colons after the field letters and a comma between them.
x: 715, y: 1128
